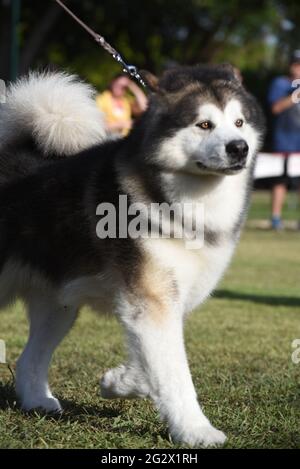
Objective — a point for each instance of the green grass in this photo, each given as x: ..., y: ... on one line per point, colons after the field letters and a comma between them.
x: 239, y: 347
x: 261, y: 206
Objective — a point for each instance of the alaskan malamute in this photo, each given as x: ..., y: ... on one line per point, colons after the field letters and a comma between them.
x: 196, y: 144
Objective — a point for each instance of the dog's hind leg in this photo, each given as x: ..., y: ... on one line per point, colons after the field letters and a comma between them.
x: 156, y: 340
x: 49, y: 323
x: 125, y: 382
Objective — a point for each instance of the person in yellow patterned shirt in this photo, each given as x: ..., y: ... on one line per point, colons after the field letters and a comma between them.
x: 120, y: 107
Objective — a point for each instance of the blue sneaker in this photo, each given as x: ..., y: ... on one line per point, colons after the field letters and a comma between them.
x: 276, y: 223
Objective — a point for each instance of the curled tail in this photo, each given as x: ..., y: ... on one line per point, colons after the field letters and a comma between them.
x: 56, y: 111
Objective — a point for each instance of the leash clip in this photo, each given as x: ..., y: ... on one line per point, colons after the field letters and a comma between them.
x: 130, y: 69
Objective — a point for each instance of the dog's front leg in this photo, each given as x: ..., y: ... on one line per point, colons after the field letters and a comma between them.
x: 157, y: 343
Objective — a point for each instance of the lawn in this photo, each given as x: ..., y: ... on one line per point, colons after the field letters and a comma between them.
x: 239, y: 347
x: 261, y: 206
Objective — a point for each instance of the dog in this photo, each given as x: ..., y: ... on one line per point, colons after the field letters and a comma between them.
x: 195, y: 144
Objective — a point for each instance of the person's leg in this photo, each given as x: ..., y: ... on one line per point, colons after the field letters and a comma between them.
x: 278, y: 197
x: 299, y: 205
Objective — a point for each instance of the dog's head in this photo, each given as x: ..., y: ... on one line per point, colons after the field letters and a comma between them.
x: 201, y: 120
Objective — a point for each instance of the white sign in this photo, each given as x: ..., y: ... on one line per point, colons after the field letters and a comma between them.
x: 2, y: 92
x: 293, y: 168
x: 269, y: 165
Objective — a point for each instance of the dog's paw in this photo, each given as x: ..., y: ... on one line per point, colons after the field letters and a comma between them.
x: 202, y: 436
x: 49, y: 405
x: 122, y: 382
x: 110, y: 382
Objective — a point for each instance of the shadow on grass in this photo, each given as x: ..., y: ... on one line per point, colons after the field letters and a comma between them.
x: 107, y: 418
x: 103, y: 416
x: 8, y: 396
x: 254, y: 298
x: 72, y: 410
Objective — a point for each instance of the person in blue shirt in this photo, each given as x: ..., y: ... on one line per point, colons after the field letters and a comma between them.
x: 284, y: 100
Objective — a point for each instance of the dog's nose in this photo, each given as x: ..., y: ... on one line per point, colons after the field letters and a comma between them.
x: 237, y: 149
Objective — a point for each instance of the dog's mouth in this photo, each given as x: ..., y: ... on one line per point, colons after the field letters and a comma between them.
x: 233, y: 169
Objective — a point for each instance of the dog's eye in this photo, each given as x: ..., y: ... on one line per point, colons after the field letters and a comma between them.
x: 205, y: 125
x: 239, y: 122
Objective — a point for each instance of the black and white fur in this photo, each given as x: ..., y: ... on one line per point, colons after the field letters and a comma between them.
x: 51, y: 257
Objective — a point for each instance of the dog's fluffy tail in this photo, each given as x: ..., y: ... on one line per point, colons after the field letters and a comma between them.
x: 56, y: 109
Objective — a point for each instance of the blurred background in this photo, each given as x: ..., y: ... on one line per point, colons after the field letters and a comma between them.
x: 257, y: 37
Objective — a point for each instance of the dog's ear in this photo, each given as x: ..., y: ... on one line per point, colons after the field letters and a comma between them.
x: 233, y: 71
x: 150, y: 80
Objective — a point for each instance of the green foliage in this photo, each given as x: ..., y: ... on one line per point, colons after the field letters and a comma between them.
x: 155, y: 33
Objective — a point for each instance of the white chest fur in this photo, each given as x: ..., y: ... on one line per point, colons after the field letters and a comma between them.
x: 196, y: 271
x: 222, y: 198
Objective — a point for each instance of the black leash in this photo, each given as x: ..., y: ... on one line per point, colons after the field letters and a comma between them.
x: 130, y: 69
